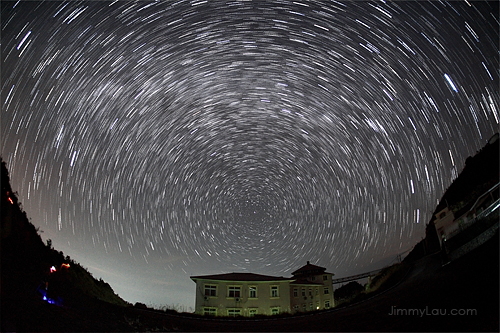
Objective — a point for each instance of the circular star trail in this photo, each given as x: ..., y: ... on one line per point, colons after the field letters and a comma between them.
x: 243, y: 135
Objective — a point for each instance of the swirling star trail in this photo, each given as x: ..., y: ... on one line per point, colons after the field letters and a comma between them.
x: 156, y: 140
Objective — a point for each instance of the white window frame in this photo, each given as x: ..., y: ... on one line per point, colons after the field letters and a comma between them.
x: 275, y: 288
x: 236, y: 290
x: 327, y: 304
x: 209, y: 311
x: 233, y: 312
x: 275, y: 310
x: 209, y: 288
x: 254, y: 288
x: 326, y: 291
x: 253, y: 311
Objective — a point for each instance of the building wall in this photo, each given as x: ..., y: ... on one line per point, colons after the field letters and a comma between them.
x: 444, y: 223
x: 264, y: 303
x: 315, y: 297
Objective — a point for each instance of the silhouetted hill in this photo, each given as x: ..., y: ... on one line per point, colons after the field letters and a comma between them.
x: 26, y: 264
x: 480, y: 173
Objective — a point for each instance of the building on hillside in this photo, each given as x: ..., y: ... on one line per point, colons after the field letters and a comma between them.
x: 444, y: 223
x: 448, y: 223
x: 248, y: 294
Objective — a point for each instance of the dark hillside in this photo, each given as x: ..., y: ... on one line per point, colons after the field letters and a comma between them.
x: 26, y: 266
x: 480, y: 174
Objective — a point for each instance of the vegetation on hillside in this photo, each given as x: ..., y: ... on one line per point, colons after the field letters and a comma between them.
x: 32, y: 269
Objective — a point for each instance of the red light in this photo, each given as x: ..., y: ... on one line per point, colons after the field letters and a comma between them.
x: 9, y: 198
x: 65, y: 265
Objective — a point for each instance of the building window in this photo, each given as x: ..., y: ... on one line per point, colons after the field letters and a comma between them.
x: 304, y: 307
x: 252, y: 312
x: 313, y: 278
x: 234, y: 312
x: 310, y: 292
x: 234, y: 291
x: 210, y: 290
x: 210, y: 311
x: 325, y: 277
x: 326, y: 291
x: 296, y: 308
x: 317, y: 305
x: 304, y: 292
x: 317, y: 291
x: 252, y: 292
x: 295, y: 292
x: 327, y: 304
x: 274, y: 291
x: 275, y: 310
x: 310, y: 306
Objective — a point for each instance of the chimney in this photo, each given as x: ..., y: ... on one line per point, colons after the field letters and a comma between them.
x: 308, y: 262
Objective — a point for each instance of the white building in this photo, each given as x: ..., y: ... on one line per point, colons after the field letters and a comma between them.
x: 247, y: 294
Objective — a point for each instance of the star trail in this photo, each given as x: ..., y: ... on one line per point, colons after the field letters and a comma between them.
x: 156, y: 140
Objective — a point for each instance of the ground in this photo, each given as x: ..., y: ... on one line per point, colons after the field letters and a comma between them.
x: 469, y: 283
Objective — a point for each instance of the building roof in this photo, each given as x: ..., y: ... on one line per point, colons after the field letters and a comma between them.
x: 241, y: 277
x: 309, y: 269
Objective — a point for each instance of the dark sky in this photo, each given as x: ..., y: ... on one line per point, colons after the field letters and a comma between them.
x: 152, y: 141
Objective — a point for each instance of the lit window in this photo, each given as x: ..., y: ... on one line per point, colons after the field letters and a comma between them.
x: 210, y: 290
x: 252, y: 312
x: 274, y: 291
x: 234, y: 291
x: 252, y: 292
x: 275, y: 310
x: 326, y: 290
x: 327, y: 304
x: 234, y: 312
x: 210, y: 311
x: 295, y: 292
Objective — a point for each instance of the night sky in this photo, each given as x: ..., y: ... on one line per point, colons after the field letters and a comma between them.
x: 152, y: 141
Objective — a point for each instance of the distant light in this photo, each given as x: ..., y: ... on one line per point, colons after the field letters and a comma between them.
x: 65, y: 265
x: 9, y: 198
x: 52, y: 269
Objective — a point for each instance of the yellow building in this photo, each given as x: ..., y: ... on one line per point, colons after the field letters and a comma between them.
x: 249, y: 294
